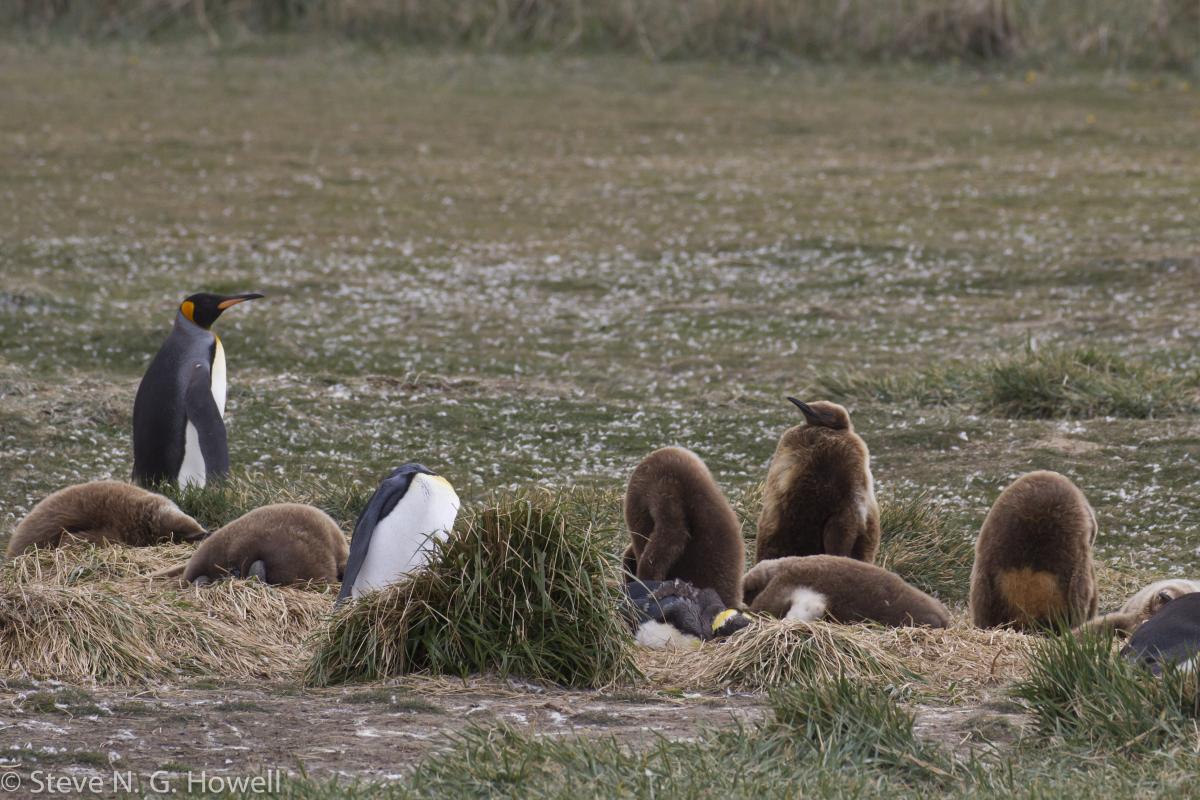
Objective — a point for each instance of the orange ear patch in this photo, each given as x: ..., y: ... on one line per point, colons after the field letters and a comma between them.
x: 189, y: 309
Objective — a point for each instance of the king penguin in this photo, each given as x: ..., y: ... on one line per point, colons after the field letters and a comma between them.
x: 178, y: 413
x: 392, y: 535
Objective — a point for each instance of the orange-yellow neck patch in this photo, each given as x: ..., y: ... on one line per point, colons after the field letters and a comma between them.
x: 188, y: 309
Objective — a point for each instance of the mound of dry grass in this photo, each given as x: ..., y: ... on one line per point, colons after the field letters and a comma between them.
x: 777, y: 652
x: 83, y: 613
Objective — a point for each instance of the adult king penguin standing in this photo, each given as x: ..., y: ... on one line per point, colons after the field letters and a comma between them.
x: 178, y: 413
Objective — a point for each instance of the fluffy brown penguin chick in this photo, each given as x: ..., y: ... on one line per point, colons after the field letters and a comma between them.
x: 682, y: 526
x: 1140, y: 607
x: 1033, y: 558
x: 840, y: 589
x: 819, y: 496
x: 279, y: 544
x: 104, y: 512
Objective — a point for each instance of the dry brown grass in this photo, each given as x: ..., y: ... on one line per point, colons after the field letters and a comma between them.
x: 84, y: 614
x: 777, y: 652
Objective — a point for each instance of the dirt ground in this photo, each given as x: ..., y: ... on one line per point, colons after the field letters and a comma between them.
x: 372, y: 733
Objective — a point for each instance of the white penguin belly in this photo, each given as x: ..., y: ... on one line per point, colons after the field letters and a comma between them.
x: 191, y: 471
x: 403, y: 540
x: 218, y: 376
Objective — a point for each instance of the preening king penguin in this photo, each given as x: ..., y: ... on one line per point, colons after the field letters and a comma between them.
x: 179, y: 410
x: 393, y: 535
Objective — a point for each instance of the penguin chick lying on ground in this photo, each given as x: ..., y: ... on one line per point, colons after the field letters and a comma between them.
x: 104, y: 512
x: 675, y: 614
x: 1171, y: 636
x: 279, y: 544
x: 1140, y: 607
x: 841, y: 589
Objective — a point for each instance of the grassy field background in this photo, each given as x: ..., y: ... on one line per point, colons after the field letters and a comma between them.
x: 533, y: 270
x: 537, y: 270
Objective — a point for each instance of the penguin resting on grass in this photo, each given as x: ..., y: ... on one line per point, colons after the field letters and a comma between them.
x: 394, y: 534
x: 1171, y: 636
x: 178, y: 413
x: 675, y: 614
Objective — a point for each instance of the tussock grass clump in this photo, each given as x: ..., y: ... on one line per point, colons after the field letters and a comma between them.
x: 774, y: 652
x: 938, y: 385
x: 1052, y: 383
x: 917, y: 546
x: 1082, y: 689
x: 852, y: 722
x: 519, y: 588
x: 1046, y: 383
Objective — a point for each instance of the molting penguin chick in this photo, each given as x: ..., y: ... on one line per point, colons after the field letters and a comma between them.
x: 1171, y: 636
x: 393, y: 535
x: 1033, y: 558
x: 841, y: 589
x: 279, y: 544
x: 178, y: 413
x: 819, y: 496
x: 682, y: 526
x: 677, y: 615
x: 104, y: 512
x: 1141, y: 606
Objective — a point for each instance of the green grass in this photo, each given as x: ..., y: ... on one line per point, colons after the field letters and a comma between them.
x: 69, y: 700
x: 1080, y: 689
x: 1044, y: 383
x: 918, y: 545
x: 521, y: 588
x: 1105, y: 32
x: 393, y: 699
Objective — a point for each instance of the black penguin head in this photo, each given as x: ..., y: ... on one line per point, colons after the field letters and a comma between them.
x: 204, y: 308
x: 398, y: 482
x: 824, y: 414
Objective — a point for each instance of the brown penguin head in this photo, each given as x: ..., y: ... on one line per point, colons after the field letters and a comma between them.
x: 824, y: 414
x: 172, y: 525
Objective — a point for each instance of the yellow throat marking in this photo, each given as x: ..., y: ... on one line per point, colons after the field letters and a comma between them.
x: 189, y: 310
x: 722, y: 618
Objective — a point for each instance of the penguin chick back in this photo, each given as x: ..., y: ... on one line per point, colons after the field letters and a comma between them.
x: 681, y: 526
x: 819, y: 496
x: 1033, y: 558
x: 104, y: 512
x: 295, y: 542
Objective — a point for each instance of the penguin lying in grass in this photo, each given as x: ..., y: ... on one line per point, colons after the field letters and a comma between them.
x: 1171, y: 636
x: 675, y: 614
x: 179, y: 410
x: 394, y: 534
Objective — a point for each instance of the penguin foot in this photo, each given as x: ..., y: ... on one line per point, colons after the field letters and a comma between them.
x: 258, y: 570
x: 201, y: 581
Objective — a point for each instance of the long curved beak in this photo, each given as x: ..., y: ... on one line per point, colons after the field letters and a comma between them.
x: 234, y: 299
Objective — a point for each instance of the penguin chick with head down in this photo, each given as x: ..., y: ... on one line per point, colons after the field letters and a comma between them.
x: 674, y: 614
x: 279, y: 544
x: 394, y: 535
x: 1140, y: 607
x: 840, y: 589
x: 819, y: 497
x: 104, y: 512
x: 1033, y: 558
x: 682, y: 526
x: 178, y: 414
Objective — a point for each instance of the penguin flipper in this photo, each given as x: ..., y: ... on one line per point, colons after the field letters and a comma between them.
x: 360, y: 540
x: 202, y: 412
